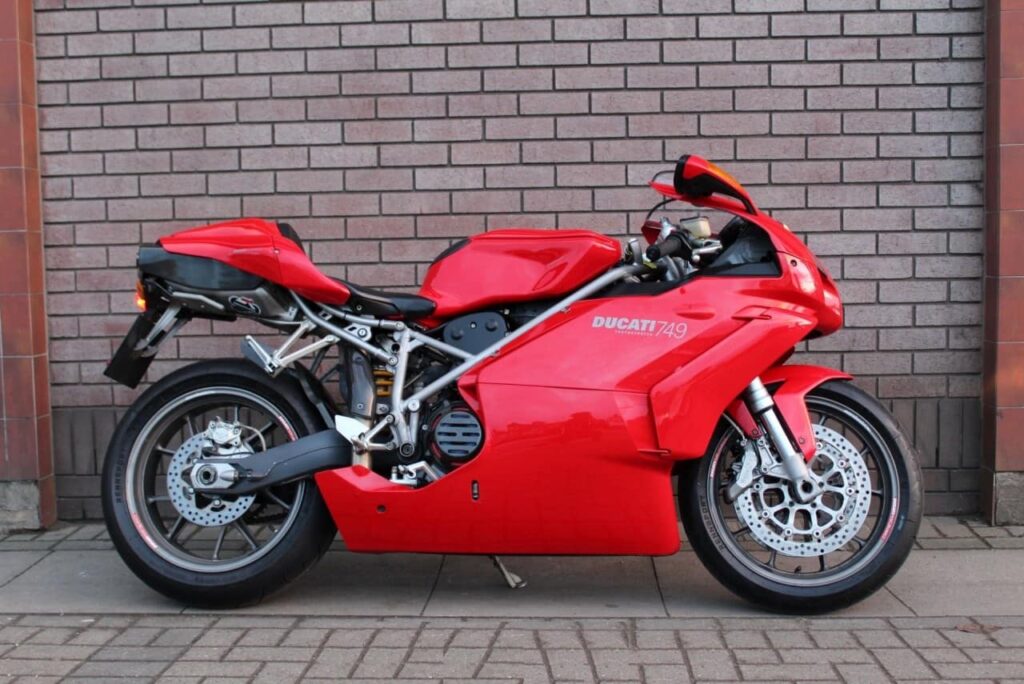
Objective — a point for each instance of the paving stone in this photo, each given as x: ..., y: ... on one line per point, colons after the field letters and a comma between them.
x: 903, y: 663
x: 135, y: 653
x: 570, y: 664
x: 745, y: 639
x: 349, y: 638
x: 945, y: 655
x: 550, y: 638
x: 691, y: 639
x: 334, y: 662
x: 789, y: 672
x: 482, y: 638
x: 110, y: 669
x: 394, y: 638
x: 222, y: 637
x: 10, y: 667
x: 923, y: 638
x: 55, y: 652
x: 305, y: 636
x: 52, y: 635
x: 523, y: 638
x: 280, y: 673
x: 271, y: 653
x: 862, y: 673
x: 654, y: 639
x: 963, y: 638
x: 199, y: 668
x: 137, y: 636
x: 178, y: 636
x: 712, y: 664
x: 827, y: 655
x: 954, y: 543
x: 790, y: 638
x: 380, y: 662
x: 262, y: 637
x: 17, y: 634
x: 751, y: 656
x: 527, y: 674
x: 665, y: 674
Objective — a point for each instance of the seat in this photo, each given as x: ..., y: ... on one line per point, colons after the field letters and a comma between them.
x: 370, y: 302
x: 382, y: 304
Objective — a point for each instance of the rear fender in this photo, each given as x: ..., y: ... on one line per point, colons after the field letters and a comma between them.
x: 790, y: 384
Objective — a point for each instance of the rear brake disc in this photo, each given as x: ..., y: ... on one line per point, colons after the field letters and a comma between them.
x: 197, y: 508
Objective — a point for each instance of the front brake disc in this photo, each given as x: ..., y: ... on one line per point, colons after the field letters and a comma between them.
x: 828, y: 522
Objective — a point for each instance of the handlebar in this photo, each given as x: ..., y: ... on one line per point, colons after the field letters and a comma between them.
x: 673, y: 245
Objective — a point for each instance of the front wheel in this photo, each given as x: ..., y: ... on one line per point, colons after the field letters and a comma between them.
x: 824, y: 554
x: 219, y: 551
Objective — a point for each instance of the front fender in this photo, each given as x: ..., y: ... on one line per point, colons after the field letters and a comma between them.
x: 789, y: 386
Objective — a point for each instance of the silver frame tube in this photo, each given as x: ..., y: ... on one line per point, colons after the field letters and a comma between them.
x: 408, y: 340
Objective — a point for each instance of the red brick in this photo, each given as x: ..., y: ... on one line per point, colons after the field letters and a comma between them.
x: 479, y: 9
x: 517, y: 30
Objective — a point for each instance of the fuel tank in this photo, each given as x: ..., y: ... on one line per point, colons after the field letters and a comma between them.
x: 516, y: 265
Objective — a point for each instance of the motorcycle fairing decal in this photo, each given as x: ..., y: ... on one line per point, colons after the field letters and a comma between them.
x: 793, y: 383
x: 561, y: 472
x: 644, y: 327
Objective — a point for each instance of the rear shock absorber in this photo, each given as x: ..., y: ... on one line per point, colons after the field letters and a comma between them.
x: 383, y: 381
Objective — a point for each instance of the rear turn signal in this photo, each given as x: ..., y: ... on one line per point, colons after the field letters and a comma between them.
x: 140, y: 297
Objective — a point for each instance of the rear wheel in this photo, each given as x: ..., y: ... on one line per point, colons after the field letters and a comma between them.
x: 824, y: 554
x: 211, y: 551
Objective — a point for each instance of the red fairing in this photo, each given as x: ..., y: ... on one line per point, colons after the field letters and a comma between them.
x: 560, y: 474
x: 789, y: 386
x: 257, y: 246
x: 515, y: 265
x: 584, y: 417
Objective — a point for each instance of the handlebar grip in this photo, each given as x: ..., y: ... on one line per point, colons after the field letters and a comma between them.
x: 670, y: 246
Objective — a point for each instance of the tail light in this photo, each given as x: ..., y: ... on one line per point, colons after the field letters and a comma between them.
x: 140, y: 296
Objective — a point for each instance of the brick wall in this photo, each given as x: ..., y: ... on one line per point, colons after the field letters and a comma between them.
x: 386, y: 130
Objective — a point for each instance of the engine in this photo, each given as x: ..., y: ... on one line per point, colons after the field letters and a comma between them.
x: 449, y: 433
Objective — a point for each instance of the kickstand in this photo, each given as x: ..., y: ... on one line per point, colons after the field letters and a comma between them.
x: 513, y: 580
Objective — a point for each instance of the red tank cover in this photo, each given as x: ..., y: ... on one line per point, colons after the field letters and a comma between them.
x: 257, y: 246
x: 516, y: 265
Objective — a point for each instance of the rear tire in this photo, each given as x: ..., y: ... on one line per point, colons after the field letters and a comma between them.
x: 137, y: 514
x: 732, y: 556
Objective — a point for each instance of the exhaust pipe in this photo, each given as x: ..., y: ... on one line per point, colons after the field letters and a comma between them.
x: 278, y: 465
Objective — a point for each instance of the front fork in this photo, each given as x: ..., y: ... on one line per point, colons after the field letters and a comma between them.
x: 762, y: 407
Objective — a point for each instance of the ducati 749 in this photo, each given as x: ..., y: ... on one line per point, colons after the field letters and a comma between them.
x: 536, y: 397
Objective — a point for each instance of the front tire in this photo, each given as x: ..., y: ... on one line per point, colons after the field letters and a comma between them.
x: 747, y: 544
x: 202, y: 552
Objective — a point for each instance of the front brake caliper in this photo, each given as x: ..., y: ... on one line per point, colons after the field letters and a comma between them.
x: 745, y: 477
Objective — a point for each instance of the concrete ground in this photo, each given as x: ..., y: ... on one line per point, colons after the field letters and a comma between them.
x: 70, y: 610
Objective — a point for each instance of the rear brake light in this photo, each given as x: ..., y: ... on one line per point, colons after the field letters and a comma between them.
x: 140, y: 296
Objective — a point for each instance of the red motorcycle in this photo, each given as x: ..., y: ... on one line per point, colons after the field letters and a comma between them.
x: 536, y: 397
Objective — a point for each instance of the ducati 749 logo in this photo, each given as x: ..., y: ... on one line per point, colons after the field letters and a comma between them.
x: 644, y: 327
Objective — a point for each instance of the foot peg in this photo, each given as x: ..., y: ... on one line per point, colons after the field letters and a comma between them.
x: 513, y: 580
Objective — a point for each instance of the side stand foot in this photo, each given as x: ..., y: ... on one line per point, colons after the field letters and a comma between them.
x: 513, y: 580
